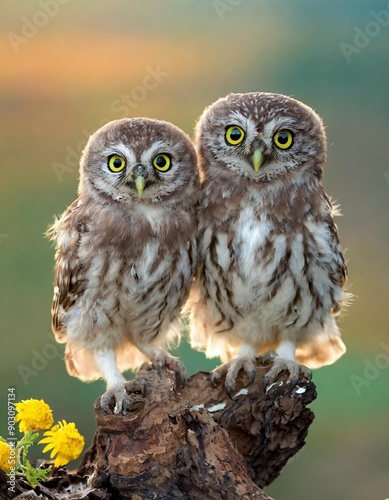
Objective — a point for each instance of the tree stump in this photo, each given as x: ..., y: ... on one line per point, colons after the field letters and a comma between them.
x: 198, y: 443
x: 194, y: 443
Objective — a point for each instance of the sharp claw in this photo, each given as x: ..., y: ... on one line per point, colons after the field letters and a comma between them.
x: 119, y: 396
x: 171, y: 364
x: 126, y: 407
x: 183, y: 380
x: 266, y: 381
x: 229, y: 391
x: 251, y: 375
x: 143, y: 390
x: 307, y: 374
x: 104, y: 402
x: 159, y: 368
x: 214, y: 379
x: 292, y: 383
x: 180, y: 379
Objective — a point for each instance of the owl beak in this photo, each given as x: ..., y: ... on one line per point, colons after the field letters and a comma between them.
x: 258, y: 159
x: 140, y: 183
x: 140, y: 175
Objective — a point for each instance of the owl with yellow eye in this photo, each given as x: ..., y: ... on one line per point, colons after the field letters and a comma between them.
x: 126, y: 253
x: 272, y: 276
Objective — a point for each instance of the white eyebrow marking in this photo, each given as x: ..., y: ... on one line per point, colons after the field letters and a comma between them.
x: 122, y: 150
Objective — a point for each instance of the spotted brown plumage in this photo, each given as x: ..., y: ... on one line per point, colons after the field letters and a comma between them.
x: 272, y: 273
x: 126, y: 252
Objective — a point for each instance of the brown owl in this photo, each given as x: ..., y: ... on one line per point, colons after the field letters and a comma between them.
x: 272, y: 273
x: 126, y: 252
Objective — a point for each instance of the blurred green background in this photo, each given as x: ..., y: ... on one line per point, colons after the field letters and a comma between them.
x: 67, y: 71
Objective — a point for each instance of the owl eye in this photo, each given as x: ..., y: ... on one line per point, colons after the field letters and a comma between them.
x: 234, y: 135
x: 162, y: 162
x: 283, y: 139
x: 116, y: 163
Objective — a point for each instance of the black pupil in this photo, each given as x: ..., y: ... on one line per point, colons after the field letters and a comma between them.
x: 117, y: 162
x: 160, y: 161
x: 235, y: 134
x: 283, y: 138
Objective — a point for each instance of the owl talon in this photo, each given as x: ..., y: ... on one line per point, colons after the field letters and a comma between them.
x: 283, y: 364
x: 292, y: 383
x: 163, y: 360
x: 230, y: 391
x: 126, y: 406
x: 218, y: 373
x: 105, y: 401
x: 306, y: 372
x: 214, y: 379
x: 251, y: 375
x: 119, y: 395
x: 231, y: 371
x: 181, y: 379
x: 159, y: 367
x: 269, y: 357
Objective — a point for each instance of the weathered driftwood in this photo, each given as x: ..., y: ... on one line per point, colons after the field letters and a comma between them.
x: 195, y: 443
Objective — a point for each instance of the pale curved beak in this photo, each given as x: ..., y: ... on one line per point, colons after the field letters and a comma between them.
x: 140, y: 183
x: 258, y: 159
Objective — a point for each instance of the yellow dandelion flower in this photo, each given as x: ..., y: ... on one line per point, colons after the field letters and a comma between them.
x: 65, y: 441
x: 5, y: 457
x: 34, y: 415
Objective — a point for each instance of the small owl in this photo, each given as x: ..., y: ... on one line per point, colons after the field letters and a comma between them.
x: 126, y: 252
x: 272, y: 274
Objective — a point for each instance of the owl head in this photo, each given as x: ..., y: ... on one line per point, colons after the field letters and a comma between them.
x: 260, y: 137
x: 139, y: 160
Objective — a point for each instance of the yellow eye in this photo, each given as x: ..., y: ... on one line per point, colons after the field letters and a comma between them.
x: 162, y: 163
x: 283, y: 139
x: 116, y: 163
x: 234, y: 135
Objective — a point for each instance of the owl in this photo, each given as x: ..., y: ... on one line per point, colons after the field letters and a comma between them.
x: 126, y: 253
x: 272, y: 276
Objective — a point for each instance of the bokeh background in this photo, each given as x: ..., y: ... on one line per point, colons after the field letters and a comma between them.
x: 69, y: 70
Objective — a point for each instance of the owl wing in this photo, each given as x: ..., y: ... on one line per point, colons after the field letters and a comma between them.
x: 69, y: 281
x: 326, y: 346
x: 339, y: 273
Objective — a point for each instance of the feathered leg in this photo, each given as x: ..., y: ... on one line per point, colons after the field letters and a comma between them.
x: 106, y: 362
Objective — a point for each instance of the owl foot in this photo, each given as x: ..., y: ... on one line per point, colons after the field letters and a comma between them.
x: 164, y: 360
x: 119, y: 394
x: 280, y: 364
x: 231, y: 370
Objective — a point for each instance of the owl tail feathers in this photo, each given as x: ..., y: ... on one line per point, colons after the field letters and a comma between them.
x: 323, y: 349
x: 80, y: 362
